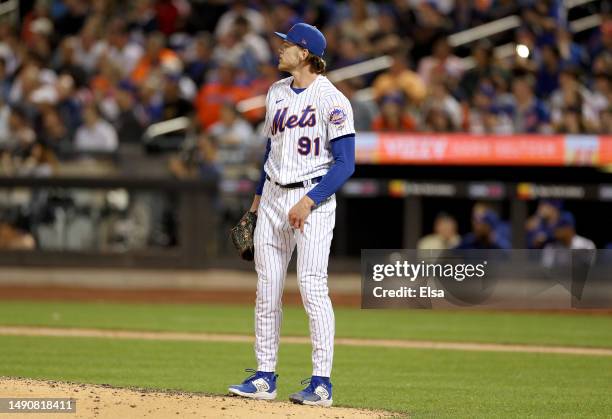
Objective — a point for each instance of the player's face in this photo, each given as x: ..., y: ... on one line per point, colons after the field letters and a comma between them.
x: 290, y: 56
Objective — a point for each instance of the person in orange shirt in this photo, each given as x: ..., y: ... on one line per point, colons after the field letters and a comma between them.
x: 156, y: 54
x: 392, y: 116
x: 213, y: 95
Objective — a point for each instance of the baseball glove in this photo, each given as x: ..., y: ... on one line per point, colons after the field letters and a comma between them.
x: 243, y: 234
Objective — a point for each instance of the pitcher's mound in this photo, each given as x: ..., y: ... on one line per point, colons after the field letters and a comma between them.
x: 100, y: 401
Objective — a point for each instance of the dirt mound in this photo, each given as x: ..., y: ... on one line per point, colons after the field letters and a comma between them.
x: 100, y: 401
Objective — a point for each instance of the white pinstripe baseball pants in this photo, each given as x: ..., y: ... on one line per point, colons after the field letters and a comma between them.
x: 275, y: 241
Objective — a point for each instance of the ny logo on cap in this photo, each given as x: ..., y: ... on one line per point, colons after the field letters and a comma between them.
x: 303, y: 41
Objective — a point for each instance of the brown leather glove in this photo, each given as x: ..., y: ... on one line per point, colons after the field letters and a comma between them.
x: 243, y: 235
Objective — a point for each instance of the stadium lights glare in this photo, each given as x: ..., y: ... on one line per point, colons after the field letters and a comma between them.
x: 522, y: 50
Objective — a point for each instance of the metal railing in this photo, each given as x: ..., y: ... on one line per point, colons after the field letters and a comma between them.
x: 9, y: 10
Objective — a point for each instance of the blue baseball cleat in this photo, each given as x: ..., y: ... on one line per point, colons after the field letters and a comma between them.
x: 260, y: 386
x: 318, y: 392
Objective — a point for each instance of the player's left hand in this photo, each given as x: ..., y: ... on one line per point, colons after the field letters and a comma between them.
x: 299, y: 212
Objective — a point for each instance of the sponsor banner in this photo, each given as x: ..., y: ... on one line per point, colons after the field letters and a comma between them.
x: 528, y: 191
x: 362, y: 188
x: 508, y: 279
x: 402, y: 188
x: 605, y: 192
x: 465, y: 149
x: 486, y: 190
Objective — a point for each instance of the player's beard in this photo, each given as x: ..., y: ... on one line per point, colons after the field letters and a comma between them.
x: 282, y: 66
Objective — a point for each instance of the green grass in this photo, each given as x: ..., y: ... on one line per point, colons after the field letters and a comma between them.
x: 422, y: 383
x: 490, y: 327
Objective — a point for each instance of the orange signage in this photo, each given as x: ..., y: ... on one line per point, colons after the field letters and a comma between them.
x: 464, y: 149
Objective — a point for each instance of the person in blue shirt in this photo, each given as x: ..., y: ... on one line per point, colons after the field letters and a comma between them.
x: 483, y: 235
x: 540, y: 227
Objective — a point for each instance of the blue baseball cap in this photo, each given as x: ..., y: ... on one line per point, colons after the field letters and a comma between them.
x: 306, y: 36
x: 566, y: 220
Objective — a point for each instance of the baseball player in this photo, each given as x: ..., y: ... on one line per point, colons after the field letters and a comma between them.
x: 310, y: 153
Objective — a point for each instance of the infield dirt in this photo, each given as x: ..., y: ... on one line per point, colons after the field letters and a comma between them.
x: 101, y: 401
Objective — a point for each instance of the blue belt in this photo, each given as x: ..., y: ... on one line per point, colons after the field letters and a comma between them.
x: 302, y: 184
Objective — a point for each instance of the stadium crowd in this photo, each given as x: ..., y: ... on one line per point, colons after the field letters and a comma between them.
x: 89, y: 77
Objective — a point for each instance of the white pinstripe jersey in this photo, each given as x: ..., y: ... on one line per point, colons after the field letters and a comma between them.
x: 301, y: 127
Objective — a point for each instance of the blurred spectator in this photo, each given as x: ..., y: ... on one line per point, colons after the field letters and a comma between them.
x: 88, y: 49
x: 547, y: 76
x: 485, y: 70
x: 129, y: 129
x: 55, y: 134
x: 121, y: 50
x: 540, y: 226
x: 5, y: 84
x: 150, y: 104
x: 239, y: 8
x: 606, y: 121
x: 65, y: 62
x: 174, y: 105
x: 22, y: 155
x: 231, y: 49
x: 349, y: 53
x: 105, y: 79
x: 437, y: 120
x: 199, y: 162
x: 233, y: 136
x: 5, y: 113
x: 600, y: 97
x: 544, y: 17
x: 360, y: 24
x: 21, y: 135
x: 570, y: 53
x: 574, y: 99
x: 251, y: 40
x: 429, y: 26
x: 502, y: 227
x: 485, y: 117
x: 156, y: 54
x: 385, y: 38
x: 529, y: 113
x: 11, y: 238
x: 68, y: 105
x: 363, y: 111
x: 214, y: 94
x: 571, y: 121
x: 167, y: 15
x: 392, y: 117
x: 442, y: 111
x: 142, y: 18
x: 565, y: 238
x: 483, y: 234
x: 72, y: 18
x: 399, y: 78
x: 199, y: 58
x: 96, y: 134
x: 442, y: 64
x: 444, y: 234
x: 32, y: 85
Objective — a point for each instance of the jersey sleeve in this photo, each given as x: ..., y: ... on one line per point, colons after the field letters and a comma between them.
x: 265, y: 131
x: 338, y: 116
